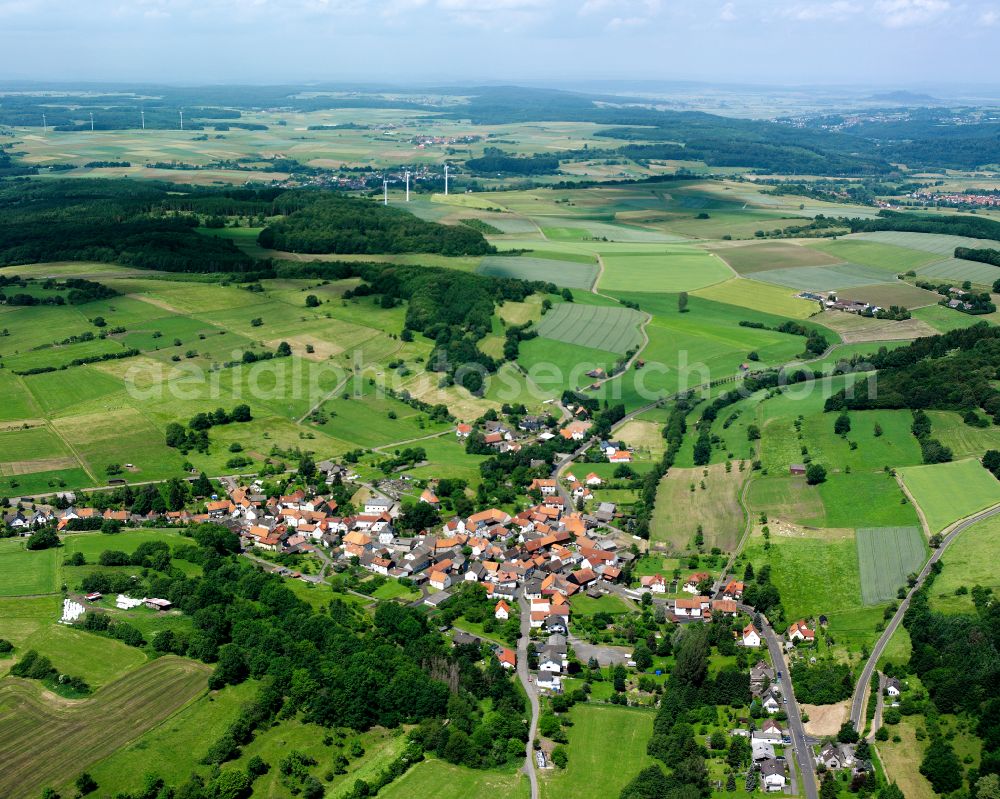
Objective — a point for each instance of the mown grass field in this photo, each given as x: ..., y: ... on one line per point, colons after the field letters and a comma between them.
x: 676, y: 269
x: 24, y: 572
x: 594, y: 327
x: 886, y: 556
x: 607, y: 748
x: 947, y: 492
x: 45, y: 740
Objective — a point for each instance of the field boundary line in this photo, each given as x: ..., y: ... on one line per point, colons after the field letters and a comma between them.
x: 83, y: 464
x: 916, y: 505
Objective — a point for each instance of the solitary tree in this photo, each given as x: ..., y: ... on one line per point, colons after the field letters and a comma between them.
x: 682, y: 302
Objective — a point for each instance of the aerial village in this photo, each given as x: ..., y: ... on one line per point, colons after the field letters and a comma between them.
x: 529, y: 564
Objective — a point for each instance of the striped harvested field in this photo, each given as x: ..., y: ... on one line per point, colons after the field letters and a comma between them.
x: 886, y: 555
x: 46, y: 740
x: 594, y: 326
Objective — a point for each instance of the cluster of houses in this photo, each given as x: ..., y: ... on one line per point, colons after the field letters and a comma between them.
x: 834, y: 303
x: 698, y: 607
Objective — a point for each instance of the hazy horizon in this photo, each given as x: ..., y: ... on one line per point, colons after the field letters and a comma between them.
x: 881, y: 44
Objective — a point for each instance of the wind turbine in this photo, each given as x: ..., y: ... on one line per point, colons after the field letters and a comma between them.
x: 44, y: 125
x: 446, y: 180
x: 91, y: 121
x: 142, y: 117
x: 385, y: 191
x: 407, y: 185
x: 182, y: 119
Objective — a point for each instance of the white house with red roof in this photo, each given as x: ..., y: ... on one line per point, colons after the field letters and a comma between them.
x: 799, y: 631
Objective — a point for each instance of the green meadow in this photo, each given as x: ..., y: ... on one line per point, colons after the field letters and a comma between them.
x: 947, y: 492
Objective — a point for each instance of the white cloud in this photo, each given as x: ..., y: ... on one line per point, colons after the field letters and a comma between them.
x: 903, y: 13
x: 728, y: 12
x: 810, y: 12
x: 989, y: 17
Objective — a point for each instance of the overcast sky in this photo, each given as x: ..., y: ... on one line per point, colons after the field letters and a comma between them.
x: 879, y: 42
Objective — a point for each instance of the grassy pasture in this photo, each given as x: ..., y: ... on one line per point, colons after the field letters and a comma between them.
x: 18, y: 402
x: 965, y: 441
x: 705, y: 343
x: 554, y: 365
x: 676, y: 269
x: 970, y: 560
x: 679, y: 510
x: 939, y: 244
x: 957, y: 270
x: 562, y: 273
x: 825, y: 278
x: 816, y: 571
x: 55, y: 392
x: 611, y: 329
x: 178, y: 743
x: 784, y: 497
x: 750, y: 258
x: 872, y: 253
x: 45, y: 741
x: 602, y: 741
x: 764, y: 297
x: 442, y: 780
x: 943, y: 319
x: 24, y: 572
x: 91, y: 545
x: 886, y: 555
x: 947, y: 492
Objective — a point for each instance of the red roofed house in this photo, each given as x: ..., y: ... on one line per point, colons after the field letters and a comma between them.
x: 751, y: 636
x: 463, y: 430
x: 501, y: 611
x: 620, y: 456
x: 507, y: 658
x: 800, y: 632
x: 654, y: 583
x: 733, y: 590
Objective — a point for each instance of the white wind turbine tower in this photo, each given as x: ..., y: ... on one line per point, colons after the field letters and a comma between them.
x: 385, y: 191
x: 142, y: 117
x: 182, y: 119
x: 91, y: 121
x: 45, y: 125
x: 407, y: 185
x: 446, y: 180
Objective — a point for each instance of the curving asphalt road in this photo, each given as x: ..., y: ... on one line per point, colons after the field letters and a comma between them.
x: 861, y: 688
